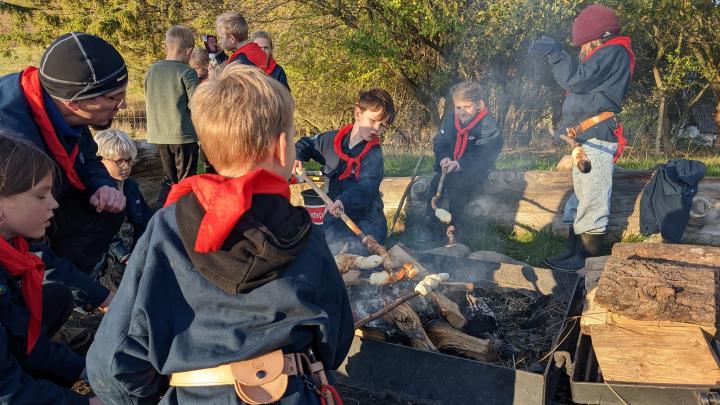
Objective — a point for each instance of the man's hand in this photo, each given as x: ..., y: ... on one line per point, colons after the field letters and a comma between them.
x: 444, y: 163
x: 543, y: 46
x: 298, y: 167
x: 336, y: 208
x: 108, y: 199
x: 452, y: 166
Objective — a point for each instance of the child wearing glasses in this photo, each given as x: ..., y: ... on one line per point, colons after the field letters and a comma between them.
x: 118, y: 154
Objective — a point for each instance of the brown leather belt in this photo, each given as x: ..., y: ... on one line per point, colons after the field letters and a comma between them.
x: 572, y: 132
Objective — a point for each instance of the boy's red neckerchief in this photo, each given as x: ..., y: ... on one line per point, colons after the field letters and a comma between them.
x: 352, y: 162
x: 461, y: 137
x: 622, y: 41
x: 225, y: 201
x: 253, y: 52
x: 16, y: 258
x: 32, y: 89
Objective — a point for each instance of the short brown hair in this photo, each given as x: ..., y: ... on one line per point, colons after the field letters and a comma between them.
x: 22, y: 165
x: 377, y: 99
x: 467, y: 90
x: 234, y: 24
x: 179, y: 37
x: 200, y: 58
x: 238, y: 114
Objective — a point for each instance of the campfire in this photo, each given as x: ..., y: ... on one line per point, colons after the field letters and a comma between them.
x: 514, y: 328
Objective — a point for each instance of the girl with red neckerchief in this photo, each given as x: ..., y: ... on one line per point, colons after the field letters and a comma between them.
x: 33, y: 369
x: 466, y: 147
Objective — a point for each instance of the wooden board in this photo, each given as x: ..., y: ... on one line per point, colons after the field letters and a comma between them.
x: 656, y: 355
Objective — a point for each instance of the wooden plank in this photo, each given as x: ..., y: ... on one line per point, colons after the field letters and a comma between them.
x: 656, y: 355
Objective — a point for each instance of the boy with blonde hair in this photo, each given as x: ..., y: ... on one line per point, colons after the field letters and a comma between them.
x: 118, y: 153
x: 228, y: 271
x: 169, y: 84
x: 232, y: 32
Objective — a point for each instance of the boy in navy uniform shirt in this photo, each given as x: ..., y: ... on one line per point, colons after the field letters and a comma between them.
x: 353, y: 161
x: 228, y: 270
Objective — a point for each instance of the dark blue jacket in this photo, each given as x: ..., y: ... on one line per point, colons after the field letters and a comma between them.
x: 15, y: 116
x: 137, y: 211
x: 360, y: 198
x: 667, y: 198
x: 279, y: 74
x: 597, y: 85
x: 88, y: 293
x: 179, y: 310
x: 484, y: 145
x: 47, y: 358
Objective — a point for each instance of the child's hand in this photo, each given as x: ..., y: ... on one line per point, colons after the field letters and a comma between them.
x: 106, y: 304
x: 452, y: 166
x: 95, y: 401
x: 298, y: 167
x: 108, y: 199
x: 444, y: 163
x: 336, y: 208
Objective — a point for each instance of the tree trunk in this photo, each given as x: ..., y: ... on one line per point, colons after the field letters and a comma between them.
x: 536, y: 200
x: 661, y: 282
x: 659, y: 132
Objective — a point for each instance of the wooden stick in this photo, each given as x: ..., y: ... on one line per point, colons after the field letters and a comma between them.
x: 349, y: 222
x: 385, y: 310
x: 436, y: 197
x: 405, y: 194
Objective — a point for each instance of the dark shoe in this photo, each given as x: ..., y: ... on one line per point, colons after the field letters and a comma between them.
x: 588, y: 245
x: 570, y: 249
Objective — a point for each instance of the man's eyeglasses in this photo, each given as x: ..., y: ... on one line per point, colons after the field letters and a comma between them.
x: 121, y: 162
x: 117, y: 99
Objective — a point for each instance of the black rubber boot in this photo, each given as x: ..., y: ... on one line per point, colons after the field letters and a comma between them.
x: 569, y: 251
x: 588, y: 245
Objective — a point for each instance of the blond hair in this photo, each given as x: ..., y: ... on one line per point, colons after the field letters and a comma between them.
x: 233, y: 24
x: 470, y: 91
x: 238, y: 115
x: 262, y: 34
x: 115, y: 144
x: 179, y: 37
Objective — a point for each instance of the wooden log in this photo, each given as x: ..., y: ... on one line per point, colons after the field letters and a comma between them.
x: 656, y: 355
x: 536, y: 199
x: 449, y: 310
x: 446, y: 337
x: 691, y: 254
x: 656, y: 289
x: 408, y: 321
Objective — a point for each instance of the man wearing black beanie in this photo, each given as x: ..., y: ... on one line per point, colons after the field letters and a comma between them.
x: 81, y: 82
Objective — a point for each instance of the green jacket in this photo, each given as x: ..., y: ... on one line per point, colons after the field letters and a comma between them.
x: 168, y: 86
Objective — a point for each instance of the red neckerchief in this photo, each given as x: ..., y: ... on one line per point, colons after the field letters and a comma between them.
x: 15, y: 256
x: 31, y: 87
x: 352, y: 162
x: 622, y: 41
x: 625, y: 43
x: 225, y: 201
x: 270, y: 66
x: 253, y: 52
x: 461, y: 138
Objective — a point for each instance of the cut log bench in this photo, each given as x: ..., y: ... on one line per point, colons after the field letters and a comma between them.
x: 653, y: 312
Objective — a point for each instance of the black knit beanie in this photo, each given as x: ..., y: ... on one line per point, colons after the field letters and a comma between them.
x: 79, y: 66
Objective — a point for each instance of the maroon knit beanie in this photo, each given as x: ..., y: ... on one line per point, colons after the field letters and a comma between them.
x: 595, y: 22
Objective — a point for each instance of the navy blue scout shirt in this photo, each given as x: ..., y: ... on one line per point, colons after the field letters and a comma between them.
x: 47, y: 358
x: 169, y: 317
x: 483, y: 147
x: 16, y: 117
x: 361, y: 198
x: 597, y: 85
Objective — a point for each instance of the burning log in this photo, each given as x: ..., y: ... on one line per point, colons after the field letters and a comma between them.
x: 347, y: 262
x: 446, y: 337
x: 449, y: 310
x: 408, y: 321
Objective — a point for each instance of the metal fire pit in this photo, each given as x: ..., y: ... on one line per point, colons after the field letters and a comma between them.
x: 588, y: 387
x: 435, y: 378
